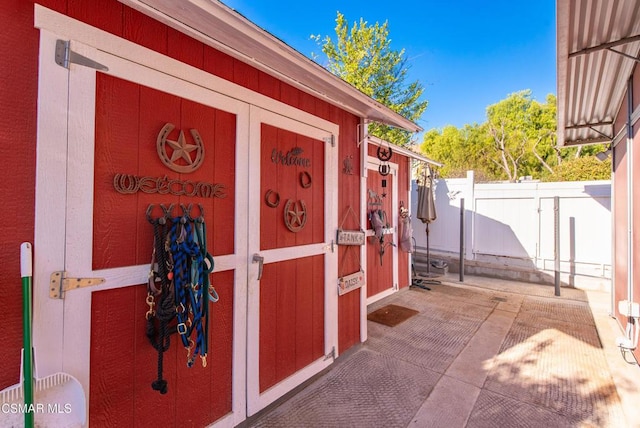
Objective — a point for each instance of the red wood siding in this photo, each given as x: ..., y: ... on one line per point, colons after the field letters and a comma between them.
x: 348, y: 257
x: 404, y: 190
x: 18, y: 150
x: 291, y: 291
x: 621, y: 207
x: 291, y: 317
x: 379, y: 272
x: 379, y: 282
x: 18, y: 106
x: 620, y: 220
x: 123, y: 364
x: 128, y: 120
x: 284, y: 182
x: 635, y: 198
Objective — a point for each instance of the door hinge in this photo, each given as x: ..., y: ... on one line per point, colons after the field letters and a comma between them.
x: 331, y: 355
x: 65, y: 56
x: 60, y: 283
x: 330, y: 140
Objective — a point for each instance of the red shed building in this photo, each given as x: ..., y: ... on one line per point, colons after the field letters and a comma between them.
x: 113, y: 109
x: 599, y: 102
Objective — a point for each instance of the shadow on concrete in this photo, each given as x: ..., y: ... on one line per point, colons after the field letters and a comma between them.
x: 550, y: 369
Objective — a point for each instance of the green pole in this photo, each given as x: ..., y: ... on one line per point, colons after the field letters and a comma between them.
x: 26, y: 271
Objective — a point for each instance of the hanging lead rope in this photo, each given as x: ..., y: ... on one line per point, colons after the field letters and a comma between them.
x: 179, y: 287
x: 160, y: 293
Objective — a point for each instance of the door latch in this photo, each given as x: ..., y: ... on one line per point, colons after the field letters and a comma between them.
x: 331, y: 246
x: 257, y: 258
x: 59, y: 283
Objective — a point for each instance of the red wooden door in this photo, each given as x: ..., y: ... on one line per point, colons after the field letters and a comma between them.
x: 381, y: 250
x: 266, y: 336
x: 116, y: 121
x: 294, y: 218
x: 129, y: 118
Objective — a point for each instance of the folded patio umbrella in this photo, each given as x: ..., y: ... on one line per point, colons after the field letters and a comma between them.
x: 426, y: 211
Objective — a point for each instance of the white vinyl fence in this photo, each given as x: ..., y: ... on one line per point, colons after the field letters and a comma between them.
x: 510, y: 226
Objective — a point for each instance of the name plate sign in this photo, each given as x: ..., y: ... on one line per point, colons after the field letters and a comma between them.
x: 350, y: 237
x: 350, y: 282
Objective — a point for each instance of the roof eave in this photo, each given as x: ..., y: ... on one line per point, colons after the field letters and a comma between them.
x: 403, y: 151
x: 226, y: 30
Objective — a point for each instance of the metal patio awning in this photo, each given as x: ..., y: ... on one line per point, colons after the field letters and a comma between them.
x: 598, y: 43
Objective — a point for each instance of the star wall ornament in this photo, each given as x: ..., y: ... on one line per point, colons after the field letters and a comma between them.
x: 181, y: 149
x: 179, y: 155
x: 295, y: 215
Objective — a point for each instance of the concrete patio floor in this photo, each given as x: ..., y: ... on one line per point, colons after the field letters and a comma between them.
x: 483, y: 353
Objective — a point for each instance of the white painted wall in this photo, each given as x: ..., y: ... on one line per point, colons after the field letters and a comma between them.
x: 511, y: 224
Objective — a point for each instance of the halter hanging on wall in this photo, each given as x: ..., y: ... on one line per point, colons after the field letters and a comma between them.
x: 179, y: 288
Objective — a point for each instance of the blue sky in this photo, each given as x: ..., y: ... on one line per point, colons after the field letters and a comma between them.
x: 467, y: 54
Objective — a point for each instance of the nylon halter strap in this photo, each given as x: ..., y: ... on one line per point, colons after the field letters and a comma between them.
x: 178, y: 286
x: 191, y: 279
x: 209, y: 292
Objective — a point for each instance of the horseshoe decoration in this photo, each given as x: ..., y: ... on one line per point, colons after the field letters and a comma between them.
x: 269, y: 202
x: 305, y: 179
x: 384, y: 169
x: 384, y: 154
x: 181, y: 159
x: 295, y: 215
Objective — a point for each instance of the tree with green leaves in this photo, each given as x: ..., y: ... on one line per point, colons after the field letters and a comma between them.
x: 460, y: 150
x: 362, y: 56
x: 581, y: 168
x: 518, y: 139
x: 513, y: 128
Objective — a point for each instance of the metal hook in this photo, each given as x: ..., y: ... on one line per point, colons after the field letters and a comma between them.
x: 200, y: 218
x: 167, y: 212
x: 162, y: 219
x: 186, y: 213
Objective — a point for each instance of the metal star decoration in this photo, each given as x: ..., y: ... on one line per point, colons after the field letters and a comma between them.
x: 181, y: 149
x: 295, y: 217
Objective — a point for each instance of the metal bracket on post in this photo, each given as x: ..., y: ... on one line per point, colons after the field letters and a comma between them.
x: 65, y: 56
x: 60, y: 283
